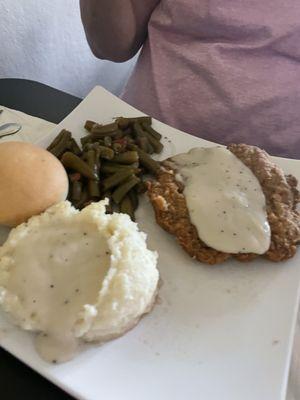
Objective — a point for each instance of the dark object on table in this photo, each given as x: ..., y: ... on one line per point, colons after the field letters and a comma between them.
x: 36, y: 99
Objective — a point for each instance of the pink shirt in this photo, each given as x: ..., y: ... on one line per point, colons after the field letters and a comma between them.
x: 224, y: 70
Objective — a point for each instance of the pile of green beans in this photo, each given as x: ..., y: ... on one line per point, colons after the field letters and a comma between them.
x: 111, y: 163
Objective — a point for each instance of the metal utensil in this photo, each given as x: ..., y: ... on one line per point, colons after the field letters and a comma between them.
x: 9, y: 129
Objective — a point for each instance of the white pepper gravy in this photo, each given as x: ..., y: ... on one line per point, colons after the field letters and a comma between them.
x: 225, y: 200
x: 58, y: 271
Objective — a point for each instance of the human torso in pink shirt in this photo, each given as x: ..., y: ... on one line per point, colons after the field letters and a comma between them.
x: 226, y: 71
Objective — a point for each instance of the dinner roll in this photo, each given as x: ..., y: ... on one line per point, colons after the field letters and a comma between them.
x: 31, y: 180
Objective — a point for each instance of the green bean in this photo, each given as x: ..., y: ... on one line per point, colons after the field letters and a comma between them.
x: 132, y: 146
x: 126, y: 207
x: 111, y: 168
x: 62, y: 144
x: 58, y: 138
x: 83, y: 199
x: 122, y: 122
x: 89, y: 125
x: 74, y: 147
x: 145, y: 119
x: 97, y: 143
x: 117, y: 147
x: 157, y: 146
x: 125, y: 122
x: 55, y: 140
x: 148, y: 162
x: 123, y: 142
x: 75, y: 176
x: 116, y: 179
x: 84, y: 154
x: 93, y: 185
x: 85, y: 140
x: 97, y: 157
x: 138, y: 130
x: 93, y: 189
x: 107, y: 141
x: 104, y: 152
x: 87, y: 147
x: 128, y: 131
x: 70, y: 160
x: 150, y: 149
x: 120, y: 151
x: 76, y: 191
x: 121, y: 166
x: 124, y: 188
x: 119, y: 134
x: 128, y: 157
x: 134, y: 198
x: 104, y: 129
x: 152, y: 132
x: 143, y: 143
x: 129, y: 139
x: 102, y: 135
x: 93, y: 161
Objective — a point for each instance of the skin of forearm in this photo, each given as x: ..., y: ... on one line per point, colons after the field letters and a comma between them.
x: 116, y: 29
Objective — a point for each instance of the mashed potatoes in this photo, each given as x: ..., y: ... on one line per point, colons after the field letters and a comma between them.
x: 73, y: 276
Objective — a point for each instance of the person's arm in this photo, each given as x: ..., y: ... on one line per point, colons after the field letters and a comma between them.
x: 116, y: 29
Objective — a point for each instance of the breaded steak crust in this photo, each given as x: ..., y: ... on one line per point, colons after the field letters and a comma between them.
x: 282, y: 197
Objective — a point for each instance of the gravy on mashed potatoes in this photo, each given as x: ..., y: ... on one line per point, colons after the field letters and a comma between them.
x: 73, y: 276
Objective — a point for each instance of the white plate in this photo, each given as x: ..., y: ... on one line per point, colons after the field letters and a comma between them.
x: 220, y: 333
